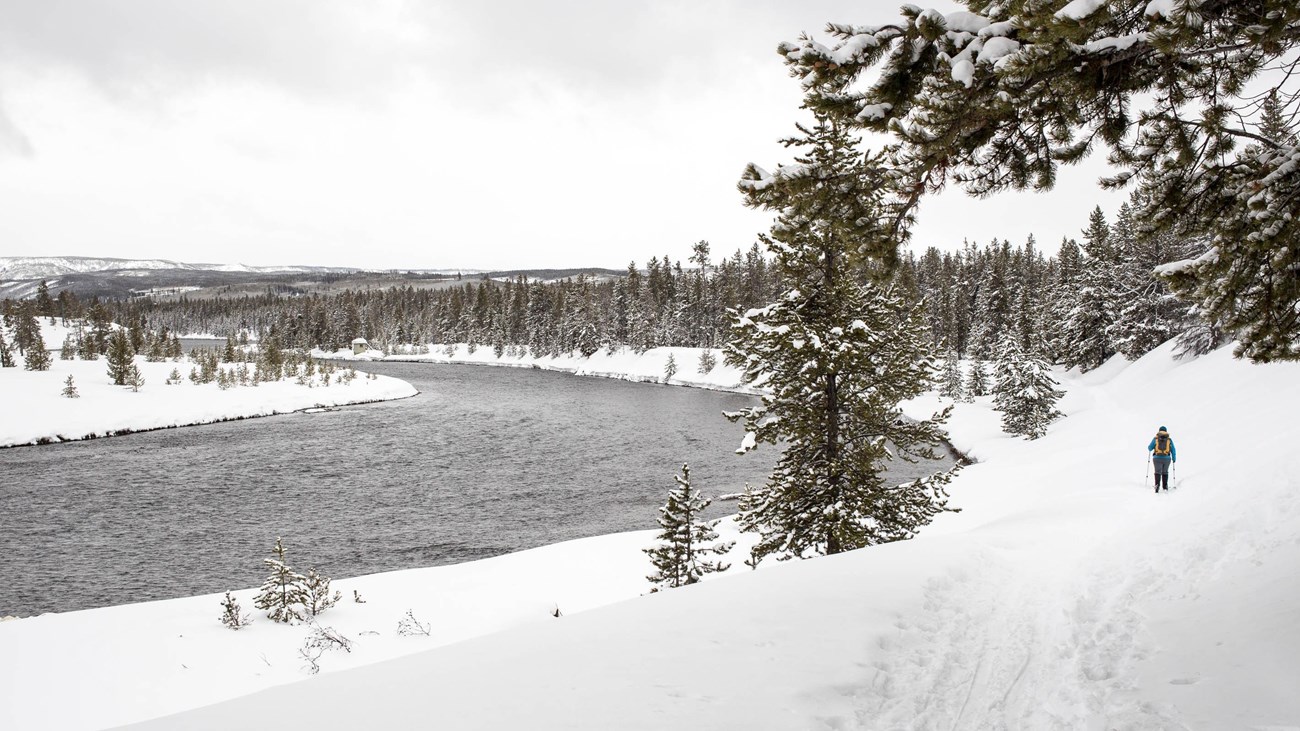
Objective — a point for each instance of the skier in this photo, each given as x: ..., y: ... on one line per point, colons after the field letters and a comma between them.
x: 1162, y: 455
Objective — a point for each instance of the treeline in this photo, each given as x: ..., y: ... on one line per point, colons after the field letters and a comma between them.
x: 1078, y: 308
x: 663, y: 304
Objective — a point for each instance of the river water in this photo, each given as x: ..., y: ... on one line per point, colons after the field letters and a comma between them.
x: 483, y: 462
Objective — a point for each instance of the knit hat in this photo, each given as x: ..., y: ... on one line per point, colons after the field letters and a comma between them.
x: 1162, y: 429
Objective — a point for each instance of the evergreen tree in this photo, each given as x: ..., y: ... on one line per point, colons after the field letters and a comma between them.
x: 952, y: 378
x: 1025, y: 393
x: 134, y: 378
x: 44, y: 304
x: 316, y: 593
x: 1024, y: 87
x: 37, y: 358
x: 282, y: 593
x: 838, y: 356
x: 977, y: 380
x: 6, y: 357
x: 687, y: 541
x: 232, y: 615
x: 69, y: 349
x: 70, y: 388
x: 120, y: 357
x: 670, y: 368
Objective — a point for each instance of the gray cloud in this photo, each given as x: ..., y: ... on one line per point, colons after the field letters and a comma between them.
x: 340, y: 48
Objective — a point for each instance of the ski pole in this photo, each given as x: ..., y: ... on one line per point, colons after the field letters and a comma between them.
x: 1147, y: 472
x: 1174, y: 467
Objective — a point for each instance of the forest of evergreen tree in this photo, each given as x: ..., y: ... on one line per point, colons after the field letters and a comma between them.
x: 1077, y: 307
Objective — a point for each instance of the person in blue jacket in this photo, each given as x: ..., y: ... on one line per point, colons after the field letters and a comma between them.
x: 1163, y: 454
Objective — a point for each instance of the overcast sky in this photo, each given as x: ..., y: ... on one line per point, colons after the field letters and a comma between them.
x: 390, y: 134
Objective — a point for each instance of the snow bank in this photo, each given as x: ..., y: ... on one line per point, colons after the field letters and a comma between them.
x: 625, y: 364
x: 1065, y: 594
x: 36, y: 411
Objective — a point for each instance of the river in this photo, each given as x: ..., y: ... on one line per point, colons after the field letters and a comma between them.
x: 483, y: 461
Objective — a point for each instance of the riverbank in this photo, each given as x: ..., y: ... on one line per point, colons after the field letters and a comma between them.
x: 37, y: 412
x: 672, y: 366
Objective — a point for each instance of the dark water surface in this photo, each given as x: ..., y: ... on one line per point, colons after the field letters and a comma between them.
x: 483, y: 462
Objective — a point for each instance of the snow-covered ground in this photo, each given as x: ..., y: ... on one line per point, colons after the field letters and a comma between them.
x: 624, y: 363
x: 1064, y: 595
x: 35, y: 411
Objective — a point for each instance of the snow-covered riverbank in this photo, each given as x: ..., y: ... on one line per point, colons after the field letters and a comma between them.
x: 35, y: 411
x: 1064, y: 595
x: 650, y: 366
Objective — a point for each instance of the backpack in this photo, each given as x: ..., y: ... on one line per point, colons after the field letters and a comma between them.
x: 1162, y: 446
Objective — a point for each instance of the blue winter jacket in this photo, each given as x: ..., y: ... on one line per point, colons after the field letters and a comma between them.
x: 1173, y: 451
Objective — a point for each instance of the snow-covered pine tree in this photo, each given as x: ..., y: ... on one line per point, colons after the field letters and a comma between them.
x: 69, y: 349
x: 282, y: 593
x: 952, y: 386
x: 232, y: 615
x: 1001, y: 96
x: 1025, y: 393
x: 120, y: 357
x: 316, y: 593
x: 977, y: 380
x: 70, y: 388
x: 838, y: 353
x: 6, y: 356
x: 1086, y: 332
x: 687, y: 541
x: 670, y: 368
x: 708, y: 361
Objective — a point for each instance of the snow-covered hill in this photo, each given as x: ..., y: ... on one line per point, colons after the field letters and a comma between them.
x: 1065, y: 595
x: 15, y: 268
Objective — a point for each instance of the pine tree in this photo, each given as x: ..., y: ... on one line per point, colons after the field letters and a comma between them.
x: 687, y: 541
x: 670, y: 368
x: 1025, y: 393
x: 70, y: 388
x: 134, y: 378
x: 6, y: 357
x: 1024, y: 87
x: 232, y: 615
x: 838, y: 353
x: 977, y: 380
x: 952, y: 386
x: 69, y: 349
x: 282, y: 593
x: 37, y: 358
x: 120, y: 357
x: 316, y: 593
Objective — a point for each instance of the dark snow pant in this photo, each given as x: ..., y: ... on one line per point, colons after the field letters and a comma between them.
x: 1162, y: 473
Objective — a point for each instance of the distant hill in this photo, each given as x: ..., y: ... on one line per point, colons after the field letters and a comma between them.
x: 115, y: 278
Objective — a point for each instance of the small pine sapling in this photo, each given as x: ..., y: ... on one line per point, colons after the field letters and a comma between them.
x: 708, y: 361
x: 670, y: 368
x: 356, y: 597
x: 69, y: 350
x: 70, y: 388
x: 686, y: 541
x: 316, y: 592
x: 232, y: 615
x: 134, y: 378
x: 174, y: 377
x: 281, y: 594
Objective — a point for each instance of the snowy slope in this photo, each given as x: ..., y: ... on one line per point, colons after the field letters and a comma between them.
x: 50, y: 267
x: 1064, y: 595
